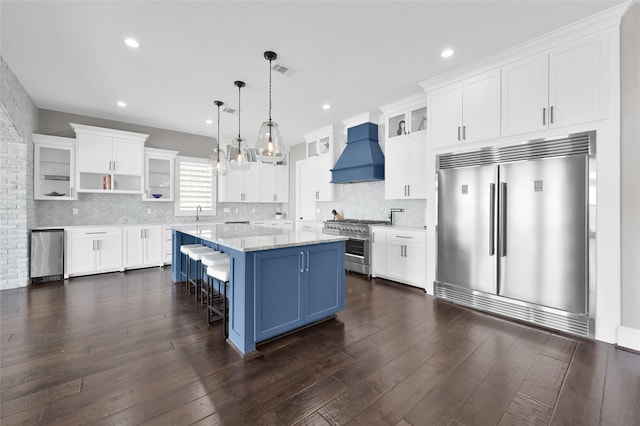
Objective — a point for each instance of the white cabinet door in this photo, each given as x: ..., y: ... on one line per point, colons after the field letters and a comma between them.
x: 305, y: 188
x: 281, y: 184
x: 378, y: 252
x: 415, y: 261
x: 94, y: 153
x: 230, y: 187
x: 445, y: 111
x: 267, y: 182
x: 80, y: 254
x: 109, y: 253
x: 525, y: 95
x: 133, y: 246
x: 154, y: 244
x: 395, y: 168
x: 128, y: 157
x: 324, y: 164
x: 251, y: 184
x: 416, y: 160
x: 481, y: 107
x: 577, y: 87
x: 395, y: 259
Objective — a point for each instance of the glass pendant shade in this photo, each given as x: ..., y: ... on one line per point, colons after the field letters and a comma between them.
x: 218, y: 164
x: 269, y: 147
x: 269, y: 144
x: 239, y: 155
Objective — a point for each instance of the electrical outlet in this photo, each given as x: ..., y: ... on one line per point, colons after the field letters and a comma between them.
x: 317, y: 210
x: 74, y: 211
x: 236, y: 210
x: 253, y: 210
x: 148, y: 211
x: 227, y: 210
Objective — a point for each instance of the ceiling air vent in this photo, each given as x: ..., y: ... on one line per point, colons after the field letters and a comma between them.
x: 283, y: 69
x: 229, y: 110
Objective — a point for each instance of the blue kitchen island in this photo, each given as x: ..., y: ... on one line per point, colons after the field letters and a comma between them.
x: 280, y: 280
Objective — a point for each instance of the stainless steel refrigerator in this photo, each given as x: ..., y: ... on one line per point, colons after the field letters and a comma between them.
x: 513, y: 231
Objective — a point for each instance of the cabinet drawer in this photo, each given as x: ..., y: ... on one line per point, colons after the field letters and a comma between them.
x: 94, y: 233
x: 405, y: 237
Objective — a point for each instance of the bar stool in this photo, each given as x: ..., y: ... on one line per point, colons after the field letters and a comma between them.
x: 184, y: 251
x: 207, y: 260
x: 195, y: 254
x: 220, y: 272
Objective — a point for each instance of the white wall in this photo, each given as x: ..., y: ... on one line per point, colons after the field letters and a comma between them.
x: 630, y: 171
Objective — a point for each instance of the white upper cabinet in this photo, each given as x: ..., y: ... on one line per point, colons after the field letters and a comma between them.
x: 405, y: 148
x: 466, y: 111
x: 274, y: 183
x: 564, y: 86
x: 54, y: 168
x: 109, y: 160
x: 159, y: 169
x: 240, y: 185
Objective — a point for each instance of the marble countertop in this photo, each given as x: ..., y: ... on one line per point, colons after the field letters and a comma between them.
x: 243, y: 237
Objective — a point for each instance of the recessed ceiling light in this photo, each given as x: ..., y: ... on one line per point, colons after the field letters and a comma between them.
x: 132, y: 42
x: 209, y: 121
x: 326, y: 107
x: 446, y: 53
x: 122, y: 104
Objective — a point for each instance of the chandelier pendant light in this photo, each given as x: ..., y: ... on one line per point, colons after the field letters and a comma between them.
x: 218, y: 165
x: 269, y: 145
x: 239, y: 153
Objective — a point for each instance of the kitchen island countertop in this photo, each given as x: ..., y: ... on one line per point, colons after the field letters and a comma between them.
x: 247, y: 237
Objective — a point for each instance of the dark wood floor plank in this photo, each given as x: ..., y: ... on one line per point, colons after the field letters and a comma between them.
x: 133, y: 348
x: 621, y: 396
x: 364, y: 392
x: 580, y: 398
x: 526, y: 411
x: 544, y: 380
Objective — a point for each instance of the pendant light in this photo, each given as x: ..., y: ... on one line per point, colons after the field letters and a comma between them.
x: 218, y: 165
x: 269, y: 145
x: 239, y: 153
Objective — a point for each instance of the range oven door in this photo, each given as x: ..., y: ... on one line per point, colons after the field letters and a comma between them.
x: 357, y: 251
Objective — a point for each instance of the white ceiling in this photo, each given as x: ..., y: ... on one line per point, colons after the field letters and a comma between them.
x: 355, y: 55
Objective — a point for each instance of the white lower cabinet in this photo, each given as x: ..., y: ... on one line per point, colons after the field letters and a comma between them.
x: 143, y: 246
x: 93, y: 250
x: 399, y: 255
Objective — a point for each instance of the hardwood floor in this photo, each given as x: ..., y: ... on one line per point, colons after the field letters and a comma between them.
x: 134, y: 349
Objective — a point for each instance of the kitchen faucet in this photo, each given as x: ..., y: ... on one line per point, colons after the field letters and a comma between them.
x: 392, y: 211
x: 197, y: 210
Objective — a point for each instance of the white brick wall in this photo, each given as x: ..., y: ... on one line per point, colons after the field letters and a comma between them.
x: 14, y: 256
x: 18, y: 121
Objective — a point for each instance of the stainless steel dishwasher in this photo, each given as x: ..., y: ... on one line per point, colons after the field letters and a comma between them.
x: 47, y: 255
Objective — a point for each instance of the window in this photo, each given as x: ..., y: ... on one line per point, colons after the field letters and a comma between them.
x: 194, y: 187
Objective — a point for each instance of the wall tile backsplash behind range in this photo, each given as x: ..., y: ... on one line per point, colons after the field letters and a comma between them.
x: 366, y: 200
x: 108, y: 209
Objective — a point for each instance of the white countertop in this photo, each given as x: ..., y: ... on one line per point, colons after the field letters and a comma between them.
x: 243, y: 237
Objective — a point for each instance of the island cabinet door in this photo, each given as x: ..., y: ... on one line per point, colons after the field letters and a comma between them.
x: 324, y: 281
x: 278, y: 292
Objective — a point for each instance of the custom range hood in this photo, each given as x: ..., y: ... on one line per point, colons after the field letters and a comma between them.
x: 362, y: 159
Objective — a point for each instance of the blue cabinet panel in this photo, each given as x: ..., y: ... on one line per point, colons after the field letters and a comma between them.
x: 324, y: 282
x: 278, y: 292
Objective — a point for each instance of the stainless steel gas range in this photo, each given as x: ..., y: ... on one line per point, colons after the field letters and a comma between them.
x: 358, y: 246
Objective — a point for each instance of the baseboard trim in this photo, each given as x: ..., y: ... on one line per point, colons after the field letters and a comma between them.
x: 629, y: 338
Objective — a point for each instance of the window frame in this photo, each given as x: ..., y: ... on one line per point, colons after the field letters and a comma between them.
x: 178, y: 211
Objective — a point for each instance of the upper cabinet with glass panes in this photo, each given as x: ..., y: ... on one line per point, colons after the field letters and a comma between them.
x: 406, y: 116
x: 321, y: 141
x: 54, y: 168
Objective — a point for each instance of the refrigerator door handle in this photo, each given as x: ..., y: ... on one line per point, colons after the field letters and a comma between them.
x: 502, y: 219
x: 492, y: 214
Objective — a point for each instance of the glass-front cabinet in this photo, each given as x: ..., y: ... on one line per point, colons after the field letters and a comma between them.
x: 159, y: 174
x: 407, y: 120
x: 54, y: 168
